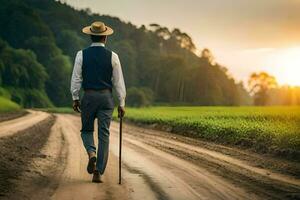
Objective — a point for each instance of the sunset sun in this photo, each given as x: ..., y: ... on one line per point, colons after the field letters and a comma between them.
x: 287, y: 68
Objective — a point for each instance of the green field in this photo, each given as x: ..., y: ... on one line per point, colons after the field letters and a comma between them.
x: 265, y: 129
x: 8, y: 106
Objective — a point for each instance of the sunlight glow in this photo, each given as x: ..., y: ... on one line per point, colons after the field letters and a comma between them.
x: 287, y: 66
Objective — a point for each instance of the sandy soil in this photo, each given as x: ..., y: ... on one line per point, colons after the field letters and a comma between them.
x: 10, y: 127
x: 255, y: 173
x: 156, y: 165
x: 17, y: 155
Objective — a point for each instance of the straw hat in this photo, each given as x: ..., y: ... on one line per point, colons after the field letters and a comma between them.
x: 98, y: 28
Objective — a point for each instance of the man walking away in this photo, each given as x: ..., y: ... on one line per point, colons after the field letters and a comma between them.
x: 97, y: 70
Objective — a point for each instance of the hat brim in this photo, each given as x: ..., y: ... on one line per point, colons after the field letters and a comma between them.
x: 87, y: 30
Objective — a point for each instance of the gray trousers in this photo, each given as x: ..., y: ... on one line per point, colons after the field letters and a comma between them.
x: 98, y: 105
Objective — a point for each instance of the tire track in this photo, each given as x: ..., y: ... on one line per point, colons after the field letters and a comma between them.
x: 178, y: 178
x: 268, y: 183
x: 10, y: 127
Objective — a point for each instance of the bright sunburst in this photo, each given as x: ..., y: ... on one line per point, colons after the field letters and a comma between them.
x: 287, y: 70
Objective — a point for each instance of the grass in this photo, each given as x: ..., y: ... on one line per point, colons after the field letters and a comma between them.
x: 7, y: 105
x: 265, y: 129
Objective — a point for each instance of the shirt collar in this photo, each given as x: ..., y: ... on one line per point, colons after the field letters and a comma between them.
x: 97, y: 44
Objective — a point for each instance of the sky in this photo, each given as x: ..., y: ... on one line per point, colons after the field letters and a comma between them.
x: 244, y: 35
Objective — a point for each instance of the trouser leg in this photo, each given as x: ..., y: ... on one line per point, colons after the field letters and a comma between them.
x: 104, y: 119
x: 88, y: 141
x: 88, y: 114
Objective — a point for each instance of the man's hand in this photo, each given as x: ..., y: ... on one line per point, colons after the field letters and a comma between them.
x: 76, y: 106
x: 121, y: 111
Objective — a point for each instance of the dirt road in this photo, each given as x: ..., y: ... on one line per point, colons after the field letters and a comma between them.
x: 156, y: 165
x: 10, y: 127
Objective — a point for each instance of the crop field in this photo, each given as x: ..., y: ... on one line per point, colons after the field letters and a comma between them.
x: 264, y: 129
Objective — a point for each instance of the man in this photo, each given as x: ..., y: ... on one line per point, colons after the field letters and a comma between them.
x: 97, y: 70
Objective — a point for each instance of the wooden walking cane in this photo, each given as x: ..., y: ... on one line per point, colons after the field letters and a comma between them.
x: 120, y: 151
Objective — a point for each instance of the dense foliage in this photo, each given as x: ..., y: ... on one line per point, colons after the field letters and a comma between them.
x: 265, y: 129
x: 161, y: 61
x: 23, y: 76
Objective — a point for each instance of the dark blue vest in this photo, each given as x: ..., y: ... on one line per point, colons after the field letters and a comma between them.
x: 96, y: 68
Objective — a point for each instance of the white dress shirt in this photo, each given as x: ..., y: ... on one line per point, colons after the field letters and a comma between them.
x: 117, y: 76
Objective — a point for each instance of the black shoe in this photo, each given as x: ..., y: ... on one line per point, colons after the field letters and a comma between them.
x: 96, y: 177
x: 91, y: 167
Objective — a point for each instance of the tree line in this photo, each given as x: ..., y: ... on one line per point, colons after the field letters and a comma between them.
x: 266, y: 91
x: 40, y: 41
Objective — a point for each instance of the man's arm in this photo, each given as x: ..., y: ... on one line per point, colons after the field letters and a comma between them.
x: 76, y: 81
x: 118, y: 83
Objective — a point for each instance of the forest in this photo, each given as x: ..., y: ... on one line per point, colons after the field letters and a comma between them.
x: 38, y: 43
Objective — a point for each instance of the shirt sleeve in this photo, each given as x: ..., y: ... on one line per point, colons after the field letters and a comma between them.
x: 76, y: 76
x: 118, y: 79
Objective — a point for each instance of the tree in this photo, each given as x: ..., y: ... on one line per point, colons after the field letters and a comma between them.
x: 70, y: 42
x: 260, y: 84
x: 207, y: 55
x: 22, y: 76
x: 160, y: 59
x: 21, y: 22
x: 58, y: 86
x: 127, y: 55
x: 58, y: 67
x: 184, y: 40
x: 21, y: 69
x: 138, y: 97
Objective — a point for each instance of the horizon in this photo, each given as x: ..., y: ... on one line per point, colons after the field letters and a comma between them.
x: 267, y: 40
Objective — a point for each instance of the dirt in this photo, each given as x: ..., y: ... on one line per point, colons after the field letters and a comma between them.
x: 12, y: 115
x: 11, y: 127
x: 156, y: 165
x: 17, y: 153
x: 267, y: 161
x: 245, y: 145
x: 75, y: 181
x: 240, y: 167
